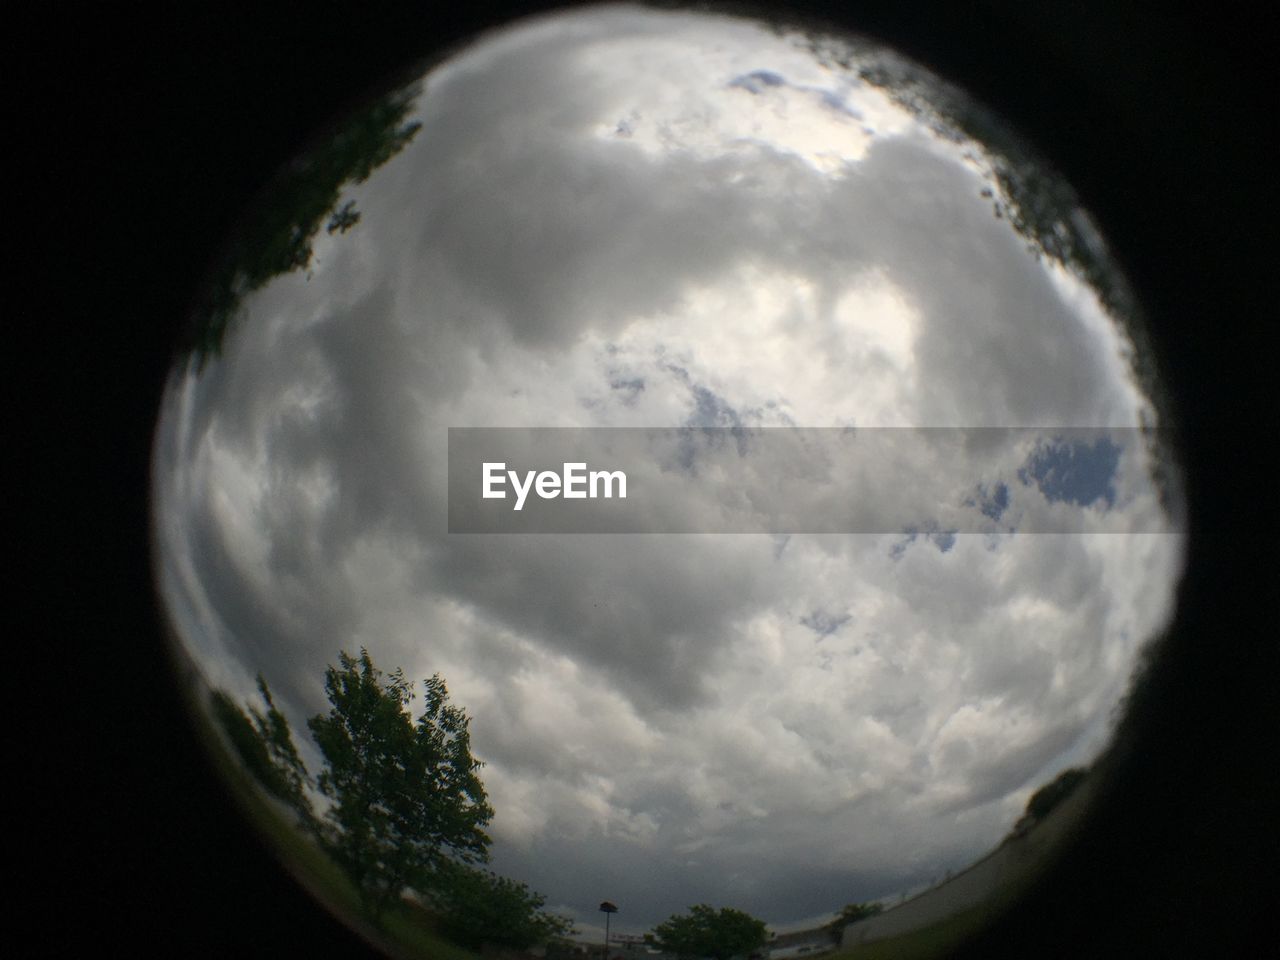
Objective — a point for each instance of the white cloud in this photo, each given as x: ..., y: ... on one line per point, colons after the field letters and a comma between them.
x: 787, y: 720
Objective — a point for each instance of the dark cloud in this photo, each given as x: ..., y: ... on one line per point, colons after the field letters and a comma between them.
x: 758, y: 80
x: 823, y: 623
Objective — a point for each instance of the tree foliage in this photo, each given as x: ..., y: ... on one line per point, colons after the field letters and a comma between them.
x: 707, y: 932
x: 1048, y: 797
x: 406, y: 797
x: 265, y: 744
x: 853, y: 912
x: 478, y: 907
x: 1054, y: 792
x: 276, y: 238
x: 406, y: 805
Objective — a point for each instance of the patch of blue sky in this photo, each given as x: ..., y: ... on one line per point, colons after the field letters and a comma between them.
x: 1079, y: 473
x: 757, y: 80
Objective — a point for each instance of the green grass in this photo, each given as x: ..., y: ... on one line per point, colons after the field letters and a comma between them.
x: 940, y: 939
x: 936, y: 940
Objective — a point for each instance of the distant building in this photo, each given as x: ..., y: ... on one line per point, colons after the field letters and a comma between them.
x: 782, y: 946
x: 622, y: 946
x: 802, y: 943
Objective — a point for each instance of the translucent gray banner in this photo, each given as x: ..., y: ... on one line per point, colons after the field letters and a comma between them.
x: 936, y: 482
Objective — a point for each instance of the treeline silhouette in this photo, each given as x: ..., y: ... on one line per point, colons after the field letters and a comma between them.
x: 276, y: 236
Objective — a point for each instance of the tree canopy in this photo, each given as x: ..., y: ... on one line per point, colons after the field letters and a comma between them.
x: 406, y: 795
x: 265, y: 745
x: 853, y: 912
x: 1054, y: 792
x: 406, y: 807
x: 1047, y: 797
x: 707, y: 932
x: 276, y: 237
x: 478, y: 907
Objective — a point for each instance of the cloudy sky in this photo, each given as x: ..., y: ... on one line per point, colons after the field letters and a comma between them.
x: 626, y: 218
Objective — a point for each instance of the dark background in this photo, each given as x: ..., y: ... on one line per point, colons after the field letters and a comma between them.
x: 152, y: 130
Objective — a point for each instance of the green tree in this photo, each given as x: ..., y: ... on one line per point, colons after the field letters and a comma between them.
x: 477, y: 907
x: 1054, y: 792
x: 1048, y: 797
x: 853, y: 912
x: 406, y: 798
x: 707, y: 932
x: 276, y: 238
x: 265, y: 745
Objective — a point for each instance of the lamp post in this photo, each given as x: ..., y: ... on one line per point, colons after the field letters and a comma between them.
x: 607, y: 907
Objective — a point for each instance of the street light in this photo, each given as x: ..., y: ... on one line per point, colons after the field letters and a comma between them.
x: 607, y: 907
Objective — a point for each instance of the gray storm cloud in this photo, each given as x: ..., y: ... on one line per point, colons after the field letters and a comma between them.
x: 786, y: 724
